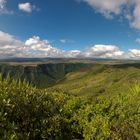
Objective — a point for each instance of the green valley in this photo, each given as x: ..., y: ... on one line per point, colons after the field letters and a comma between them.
x: 70, y: 101
x: 100, y: 78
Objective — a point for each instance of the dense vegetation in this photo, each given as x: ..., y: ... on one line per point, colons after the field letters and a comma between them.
x: 43, y: 75
x: 100, y: 79
x: 30, y: 113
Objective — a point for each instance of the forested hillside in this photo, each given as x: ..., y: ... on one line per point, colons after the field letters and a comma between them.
x: 43, y: 75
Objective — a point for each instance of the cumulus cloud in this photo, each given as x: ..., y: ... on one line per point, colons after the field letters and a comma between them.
x: 41, y: 48
x: 10, y: 46
x: 103, y: 51
x: 134, y: 53
x: 71, y: 53
x: 3, y: 9
x: 130, y: 9
x: 135, y: 22
x: 32, y: 47
x: 2, y: 4
x: 107, y: 7
x: 26, y: 7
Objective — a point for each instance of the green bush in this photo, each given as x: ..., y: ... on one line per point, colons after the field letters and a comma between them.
x: 27, y: 113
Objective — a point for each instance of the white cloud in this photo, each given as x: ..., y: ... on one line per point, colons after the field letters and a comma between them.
x: 107, y: 7
x: 130, y: 9
x: 2, y: 4
x: 134, y: 53
x: 71, y: 53
x: 136, y: 15
x: 103, y: 51
x: 41, y: 48
x: 10, y: 46
x: 26, y: 7
x: 3, y: 9
x: 32, y: 47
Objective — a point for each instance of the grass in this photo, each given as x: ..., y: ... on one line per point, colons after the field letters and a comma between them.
x: 30, y: 113
x: 99, y: 79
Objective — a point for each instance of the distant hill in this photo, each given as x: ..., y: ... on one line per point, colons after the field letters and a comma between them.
x: 36, y: 61
x: 42, y: 75
x: 76, y: 76
x: 100, y: 79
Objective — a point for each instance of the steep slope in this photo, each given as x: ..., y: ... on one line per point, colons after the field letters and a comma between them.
x: 43, y: 75
x: 100, y: 79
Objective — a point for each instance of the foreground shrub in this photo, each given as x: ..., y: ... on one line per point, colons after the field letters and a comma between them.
x: 28, y: 113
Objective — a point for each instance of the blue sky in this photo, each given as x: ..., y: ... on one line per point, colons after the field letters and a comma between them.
x: 71, y: 26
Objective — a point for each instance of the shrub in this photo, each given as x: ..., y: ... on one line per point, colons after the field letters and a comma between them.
x: 30, y: 113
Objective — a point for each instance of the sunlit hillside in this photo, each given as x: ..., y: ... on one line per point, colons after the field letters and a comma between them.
x: 28, y: 113
x: 100, y: 79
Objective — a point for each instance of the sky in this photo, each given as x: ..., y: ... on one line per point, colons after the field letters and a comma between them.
x: 70, y: 28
